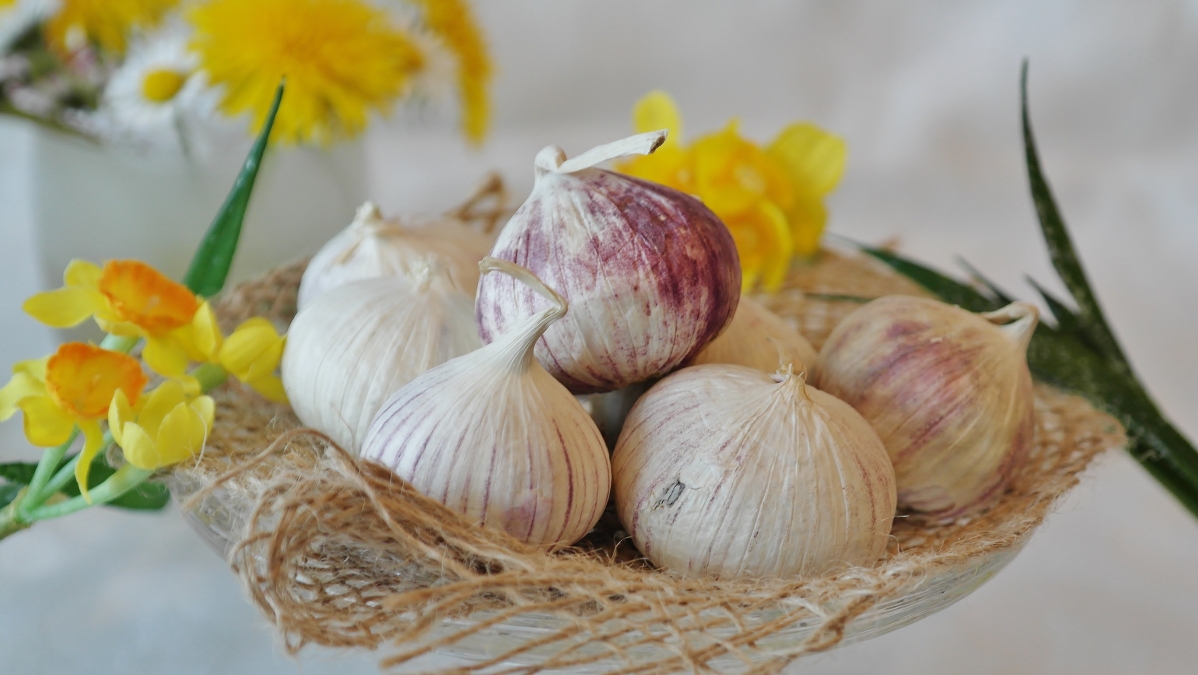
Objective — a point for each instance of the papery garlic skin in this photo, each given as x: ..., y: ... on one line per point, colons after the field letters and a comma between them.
x: 948, y: 391
x: 651, y: 274
x: 355, y: 345
x: 760, y: 339
x: 374, y: 247
x: 496, y: 438
x: 727, y: 471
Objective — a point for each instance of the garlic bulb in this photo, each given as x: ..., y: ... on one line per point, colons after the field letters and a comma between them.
x: 726, y: 471
x: 353, y: 346
x: 948, y: 391
x: 496, y: 438
x: 759, y: 339
x: 651, y: 274
x: 374, y: 247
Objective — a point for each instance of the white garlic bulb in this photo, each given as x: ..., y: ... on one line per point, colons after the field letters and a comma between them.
x: 494, y: 437
x: 651, y: 274
x: 355, y: 345
x: 948, y: 391
x: 760, y: 339
x: 726, y: 471
x: 374, y: 247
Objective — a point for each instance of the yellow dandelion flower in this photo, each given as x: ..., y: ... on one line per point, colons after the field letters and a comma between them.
x: 341, y: 58
x: 453, y: 22
x: 105, y: 23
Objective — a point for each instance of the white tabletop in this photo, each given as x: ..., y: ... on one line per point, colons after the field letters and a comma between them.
x: 927, y: 99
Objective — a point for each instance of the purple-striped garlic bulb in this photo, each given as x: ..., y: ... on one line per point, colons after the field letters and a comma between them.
x: 760, y: 339
x: 948, y: 391
x: 494, y: 437
x: 651, y: 274
x: 727, y: 471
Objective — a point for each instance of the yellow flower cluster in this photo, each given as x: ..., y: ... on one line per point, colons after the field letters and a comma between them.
x: 106, y: 23
x: 771, y: 198
x: 80, y: 385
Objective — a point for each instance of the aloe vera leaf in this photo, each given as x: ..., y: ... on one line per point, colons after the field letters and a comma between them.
x: 1061, y: 250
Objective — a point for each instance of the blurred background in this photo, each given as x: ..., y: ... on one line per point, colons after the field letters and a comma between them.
x: 926, y: 96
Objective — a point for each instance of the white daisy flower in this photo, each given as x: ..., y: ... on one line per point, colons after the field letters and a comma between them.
x: 155, y: 88
x: 18, y: 16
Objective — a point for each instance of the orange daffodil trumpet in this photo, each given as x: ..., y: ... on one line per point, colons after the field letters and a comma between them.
x: 73, y: 387
x: 771, y: 198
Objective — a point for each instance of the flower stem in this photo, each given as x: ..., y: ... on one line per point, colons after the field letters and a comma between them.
x: 210, y: 376
x: 36, y: 493
x: 125, y: 479
x: 11, y: 521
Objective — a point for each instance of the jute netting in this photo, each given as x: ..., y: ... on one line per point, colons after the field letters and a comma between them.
x: 340, y: 552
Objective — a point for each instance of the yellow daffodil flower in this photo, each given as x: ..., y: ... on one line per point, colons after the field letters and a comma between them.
x: 128, y: 298
x: 252, y: 354
x: 166, y: 427
x: 73, y: 387
x: 770, y: 198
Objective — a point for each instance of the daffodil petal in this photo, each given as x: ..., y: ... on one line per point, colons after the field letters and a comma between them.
x: 82, y: 273
x: 159, y: 404
x: 21, y: 386
x: 165, y: 356
x: 813, y: 158
x: 119, y: 412
x: 807, y: 221
x: 202, y: 336
x: 139, y: 448
x: 64, y: 307
x: 253, y: 350
x: 46, y: 425
x: 93, y: 442
x: 205, y: 407
x: 657, y: 110
x: 33, y: 367
x: 270, y: 387
x: 777, y: 262
x: 181, y: 435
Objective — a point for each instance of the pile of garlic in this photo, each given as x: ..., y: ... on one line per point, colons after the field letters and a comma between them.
x: 609, y: 308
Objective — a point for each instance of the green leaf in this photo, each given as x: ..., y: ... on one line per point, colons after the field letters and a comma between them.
x: 977, y: 276
x: 1061, y: 250
x: 145, y: 497
x: 18, y: 472
x: 947, y: 289
x: 210, y: 266
x: 8, y: 492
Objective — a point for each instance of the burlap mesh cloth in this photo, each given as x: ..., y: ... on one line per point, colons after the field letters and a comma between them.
x: 341, y: 553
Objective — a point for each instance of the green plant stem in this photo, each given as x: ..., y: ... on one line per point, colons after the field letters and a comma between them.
x: 10, y: 521
x: 125, y: 479
x: 36, y: 493
x: 210, y: 376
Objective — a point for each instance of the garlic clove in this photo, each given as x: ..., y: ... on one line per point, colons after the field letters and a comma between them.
x: 760, y: 339
x: 651, y: 274
x: 356, y: 344
x: 948, y: 391
x: 373, y: 247
x: 726, y: 471
x: 495, y: 437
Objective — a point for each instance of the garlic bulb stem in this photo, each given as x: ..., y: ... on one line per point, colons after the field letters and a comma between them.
x: 554, y: 159
x: 1023, y: 316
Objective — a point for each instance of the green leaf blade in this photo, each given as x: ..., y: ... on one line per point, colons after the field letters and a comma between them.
x: 1061, y: 250
x: 210, y: 266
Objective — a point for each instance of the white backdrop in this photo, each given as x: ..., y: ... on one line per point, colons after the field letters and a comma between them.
x: 926, y: 96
